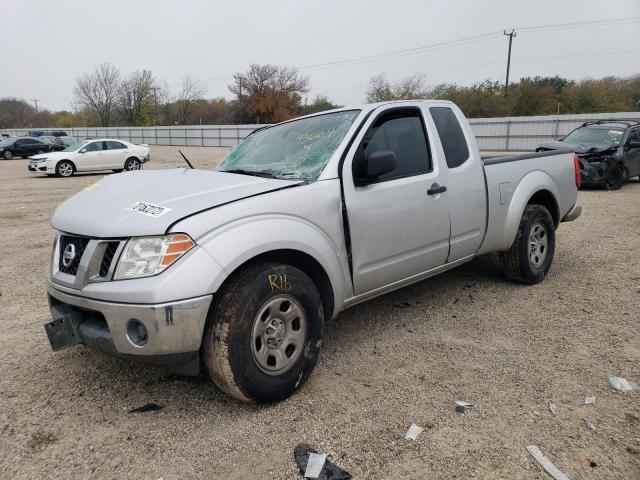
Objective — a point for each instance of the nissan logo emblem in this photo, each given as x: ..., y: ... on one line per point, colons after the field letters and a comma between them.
x: 69, y: 255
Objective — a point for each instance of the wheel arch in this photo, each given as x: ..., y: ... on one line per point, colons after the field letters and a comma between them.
x: 73, y: 164
x: 302, y: 261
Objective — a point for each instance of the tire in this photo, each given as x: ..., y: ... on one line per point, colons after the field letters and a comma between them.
x: 40, y: 152
x: 117, y: 170
x: 132, y: 164
x: 615, y: 179
x: 531, y: 254
x: 65, y: 169
x: 7, y: 154
x: 245, y: 330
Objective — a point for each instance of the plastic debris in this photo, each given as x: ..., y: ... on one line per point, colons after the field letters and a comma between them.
x: 621, y: 384
x: 553, y: 409
x: 545, y: 463
x: 461, y: 406
x: 149, y: 407
x: 589, y: 400
x: 328, y: 471
x: 589, y: 425
x: 314, y: 465
x: 413, y: 432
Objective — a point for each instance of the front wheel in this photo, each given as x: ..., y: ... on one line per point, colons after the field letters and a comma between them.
x: 531, y: 254
x: 264, y: 333
x: 65, y: 169
x: 7, y: 154
x: 615, y: 179
x: 132, y: 164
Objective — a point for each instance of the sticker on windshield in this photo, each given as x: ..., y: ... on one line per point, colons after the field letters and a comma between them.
x: 148, y: 209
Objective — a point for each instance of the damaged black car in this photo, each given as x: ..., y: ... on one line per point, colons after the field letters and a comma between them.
x: 608, y: 151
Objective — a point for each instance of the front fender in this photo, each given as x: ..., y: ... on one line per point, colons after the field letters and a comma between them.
x: 237, y: 242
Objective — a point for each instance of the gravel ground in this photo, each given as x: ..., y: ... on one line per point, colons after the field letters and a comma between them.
x: 402, y: 358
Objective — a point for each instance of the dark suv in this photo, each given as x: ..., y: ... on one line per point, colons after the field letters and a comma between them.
x: 608, y: 150
x: 22, y: 147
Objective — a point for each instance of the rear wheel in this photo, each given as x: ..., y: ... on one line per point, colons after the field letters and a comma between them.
x: 264, y: 333
x: 531, y: 254
x: 7, y: 154
x: 132, y: 164
x: 65, y: 168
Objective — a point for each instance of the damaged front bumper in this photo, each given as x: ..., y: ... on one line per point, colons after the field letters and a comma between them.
x: 167, y: 334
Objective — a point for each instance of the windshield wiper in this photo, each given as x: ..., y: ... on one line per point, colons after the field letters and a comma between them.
x: 255, y: 173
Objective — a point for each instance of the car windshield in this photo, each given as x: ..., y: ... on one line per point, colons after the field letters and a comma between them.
x: 75, y: 146
x: 594, y: 136
x: 296, y: 149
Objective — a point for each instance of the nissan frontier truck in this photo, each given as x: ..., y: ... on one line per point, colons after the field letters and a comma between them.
x: 238, y: 269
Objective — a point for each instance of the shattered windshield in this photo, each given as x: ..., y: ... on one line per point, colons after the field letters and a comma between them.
x: 594, y: 136
x: 297, y: 149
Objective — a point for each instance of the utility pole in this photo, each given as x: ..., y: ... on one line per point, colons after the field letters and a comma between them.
x: 35, y: 100
x: 511, y: 34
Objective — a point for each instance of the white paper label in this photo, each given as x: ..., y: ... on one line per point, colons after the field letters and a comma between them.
x: 148, y: 209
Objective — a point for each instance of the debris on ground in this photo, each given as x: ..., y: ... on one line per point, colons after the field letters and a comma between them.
x: 413, y: 432
x: 553, y: 409
x: 315, y: 462
x: 589, y: 425
x: 621, y: 384
x: 589, y: 400
x: 545, y: 463
x: 149, y: 407
x: 328, y: 471
x: 462, y: 405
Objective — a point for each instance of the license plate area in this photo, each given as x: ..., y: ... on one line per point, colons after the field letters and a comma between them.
x: 61, y: 333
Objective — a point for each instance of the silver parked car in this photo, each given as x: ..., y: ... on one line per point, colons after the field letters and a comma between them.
x: 241, y: 266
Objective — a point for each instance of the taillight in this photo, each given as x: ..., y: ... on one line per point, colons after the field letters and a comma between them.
x: 576, y: 166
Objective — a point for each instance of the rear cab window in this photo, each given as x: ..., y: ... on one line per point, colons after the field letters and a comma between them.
x: 454, y: 143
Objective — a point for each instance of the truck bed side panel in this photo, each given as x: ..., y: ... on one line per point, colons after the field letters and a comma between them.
x: 510, y: 185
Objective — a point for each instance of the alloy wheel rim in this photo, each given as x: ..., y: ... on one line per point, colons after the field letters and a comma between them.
x: 65, y: 170
x: 278, y: 335
x: 134, y: 165
x: 538, y: 244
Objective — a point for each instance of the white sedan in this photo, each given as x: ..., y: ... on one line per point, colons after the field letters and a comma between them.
x: 90, y: 155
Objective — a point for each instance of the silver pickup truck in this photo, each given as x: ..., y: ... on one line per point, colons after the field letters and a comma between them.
x: 239, y: 268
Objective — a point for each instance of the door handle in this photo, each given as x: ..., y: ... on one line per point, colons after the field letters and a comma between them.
x: 436, y: 189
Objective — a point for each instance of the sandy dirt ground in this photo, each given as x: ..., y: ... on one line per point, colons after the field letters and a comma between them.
x: 402, y: 358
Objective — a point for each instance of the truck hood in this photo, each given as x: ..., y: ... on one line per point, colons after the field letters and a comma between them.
x: 577, y: 147
x: 148, y: 202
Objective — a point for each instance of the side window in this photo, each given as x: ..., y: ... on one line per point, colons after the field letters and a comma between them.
x: 634, y: 136
x: 402, y: 132
x: 94, y: 146
x: 115, y: 145
x: 454, y: 144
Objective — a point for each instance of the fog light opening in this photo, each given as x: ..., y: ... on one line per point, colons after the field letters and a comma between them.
x: 137, y: 332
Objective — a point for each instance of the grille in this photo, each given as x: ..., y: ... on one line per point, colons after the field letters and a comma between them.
x: 107, y: 259
x: 80, y: 243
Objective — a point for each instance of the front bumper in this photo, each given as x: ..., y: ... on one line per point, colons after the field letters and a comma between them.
x: 174, y: 329
x: 37, y: 167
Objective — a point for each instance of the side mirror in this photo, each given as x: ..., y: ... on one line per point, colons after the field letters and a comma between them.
x: 633, y: 144
x: 83, y: 150
x: 378, y: 163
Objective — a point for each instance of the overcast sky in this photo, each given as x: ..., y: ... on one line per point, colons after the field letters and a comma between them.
x: 45, y: 45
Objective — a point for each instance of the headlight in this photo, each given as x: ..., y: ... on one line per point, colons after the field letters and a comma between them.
x: 40, y: 160
x: 147, y: 256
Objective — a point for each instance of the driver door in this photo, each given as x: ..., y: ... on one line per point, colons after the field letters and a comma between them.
x: 632, y: 152
x: 399, y: 222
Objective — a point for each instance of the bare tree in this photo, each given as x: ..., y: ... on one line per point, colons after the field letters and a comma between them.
x: 15, y: 113
x: 381, y: 90
x: 269, y: 93
x: 98, y: 91
x: 191, y: 92
x: 135, y: 96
